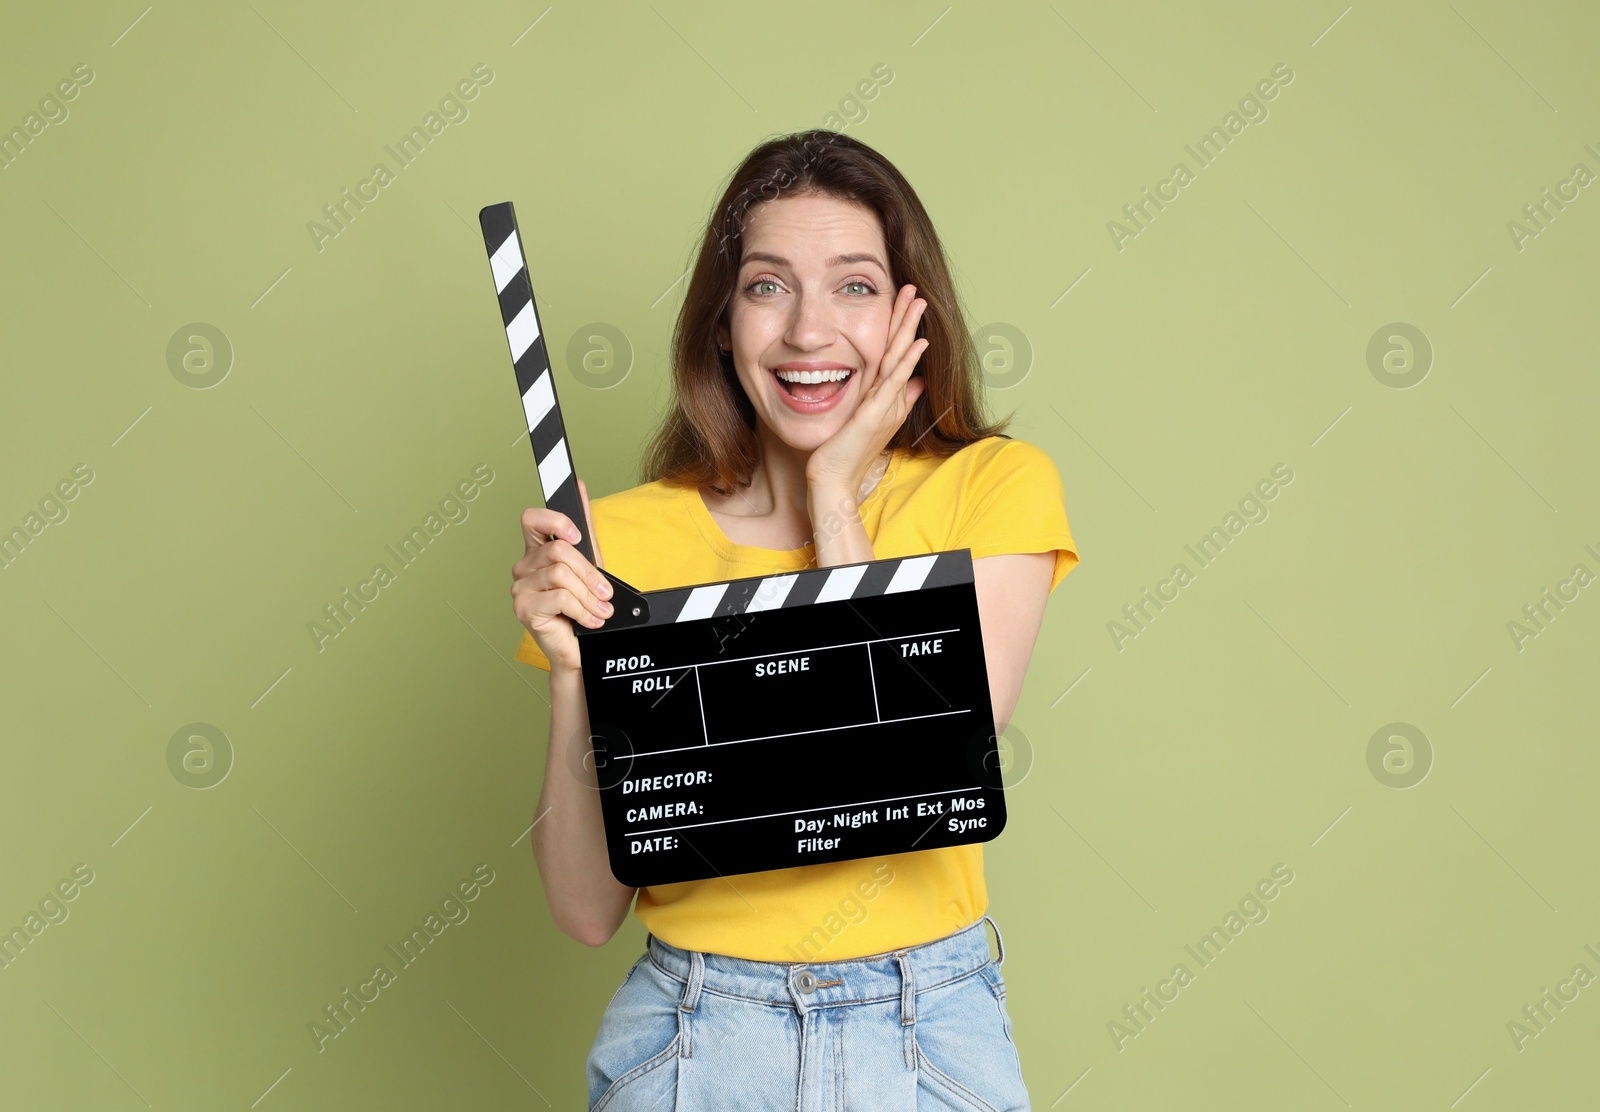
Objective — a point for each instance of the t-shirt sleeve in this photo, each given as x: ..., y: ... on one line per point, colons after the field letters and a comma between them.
x: 1013, y: 503
x: 529, y: 652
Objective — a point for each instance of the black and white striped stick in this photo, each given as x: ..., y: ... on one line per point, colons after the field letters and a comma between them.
x: 813, y: 585
x: 558, y: 480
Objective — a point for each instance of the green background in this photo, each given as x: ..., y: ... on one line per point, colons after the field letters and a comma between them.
x: 369, y: 377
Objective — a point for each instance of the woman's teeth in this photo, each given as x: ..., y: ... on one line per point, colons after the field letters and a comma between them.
x: 813, y: 376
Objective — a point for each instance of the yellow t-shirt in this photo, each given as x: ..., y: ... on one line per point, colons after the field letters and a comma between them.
x: 995, y: 496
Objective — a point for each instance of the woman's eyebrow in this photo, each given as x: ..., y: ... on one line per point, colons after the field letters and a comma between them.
x: 837, y: 260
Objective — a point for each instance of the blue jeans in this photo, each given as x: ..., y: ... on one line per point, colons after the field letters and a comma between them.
x: 921, y: 1028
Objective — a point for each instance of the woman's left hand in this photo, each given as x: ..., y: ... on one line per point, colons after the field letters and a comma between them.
x: 840, y: 464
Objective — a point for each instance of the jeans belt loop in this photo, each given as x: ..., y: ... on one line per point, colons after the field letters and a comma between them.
x: 697, y: 975
x: 908, y: 991
x: 1000, y: 943
x: 691, y: 997
x: 908, y: 1008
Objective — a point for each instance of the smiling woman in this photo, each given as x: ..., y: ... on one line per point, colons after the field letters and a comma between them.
x: 826, y: 411
x: 856, y: 225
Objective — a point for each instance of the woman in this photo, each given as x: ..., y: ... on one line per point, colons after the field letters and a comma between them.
x: 825, y: 412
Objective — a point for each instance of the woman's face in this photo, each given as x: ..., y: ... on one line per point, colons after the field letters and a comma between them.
x: 813, y: 295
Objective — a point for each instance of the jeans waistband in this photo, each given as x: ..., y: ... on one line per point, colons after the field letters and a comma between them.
x: 895, y: 974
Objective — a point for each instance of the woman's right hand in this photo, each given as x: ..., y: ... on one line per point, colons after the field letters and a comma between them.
x: 553, y: 582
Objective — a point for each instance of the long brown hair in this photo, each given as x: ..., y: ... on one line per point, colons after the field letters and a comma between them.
x: 708, y: 436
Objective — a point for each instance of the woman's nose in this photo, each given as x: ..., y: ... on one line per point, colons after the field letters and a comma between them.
x: 812, y: 326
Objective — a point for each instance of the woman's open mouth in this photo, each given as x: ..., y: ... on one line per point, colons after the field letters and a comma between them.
x: 811, y: 391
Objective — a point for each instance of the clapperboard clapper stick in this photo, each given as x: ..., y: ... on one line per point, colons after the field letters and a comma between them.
x: 763, y: 723
x: 536, y: 384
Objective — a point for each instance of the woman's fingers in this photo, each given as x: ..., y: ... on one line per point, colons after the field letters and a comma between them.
x: 568, y: 568
x: 879, y: 371
x: 905, y: 338
x: 540, y: 523
x: 905, y: 298
x: 903, y: 350
x: 913, y: 390
x: 568, y: 580
x: 583, y: 579
x: 548, y: 552
x: 554, y: 578
x: 903, y: 325
x: 558, y: 589
x: 534, y: 602
x: 908, y: 361
x: 906, y: 304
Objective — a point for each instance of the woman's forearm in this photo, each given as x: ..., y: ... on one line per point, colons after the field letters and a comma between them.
x: 569, y: 840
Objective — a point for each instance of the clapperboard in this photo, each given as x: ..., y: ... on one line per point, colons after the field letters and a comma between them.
x: 774, y: 721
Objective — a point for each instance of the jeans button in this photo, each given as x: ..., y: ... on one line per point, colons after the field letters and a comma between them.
x: 805, y: 981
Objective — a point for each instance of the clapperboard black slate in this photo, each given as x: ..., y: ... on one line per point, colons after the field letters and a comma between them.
x: 789, y: 719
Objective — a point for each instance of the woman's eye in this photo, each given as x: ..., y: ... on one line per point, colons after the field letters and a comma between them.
x: 756, y: 287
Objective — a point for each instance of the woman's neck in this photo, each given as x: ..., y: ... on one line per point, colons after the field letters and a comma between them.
x: 778, y: 483
x: 775, y: 501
